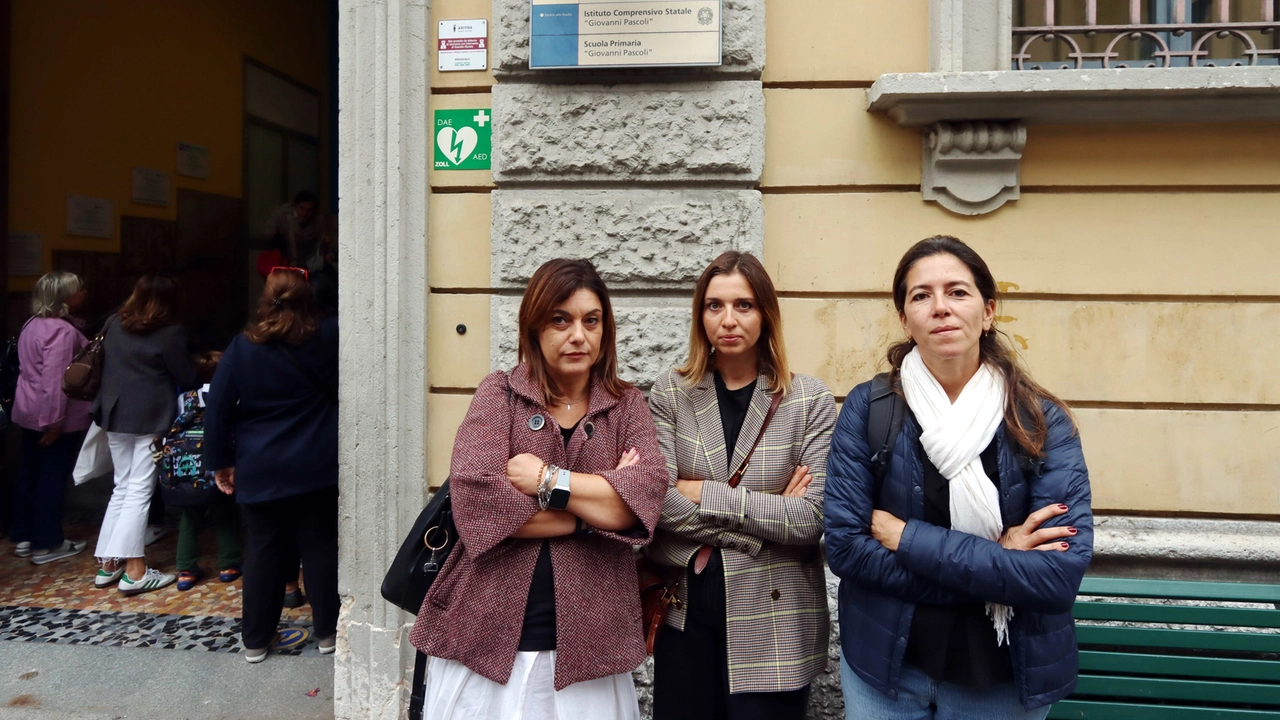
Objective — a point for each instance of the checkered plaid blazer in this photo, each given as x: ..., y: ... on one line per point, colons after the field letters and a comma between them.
x: 475, y: 609
x: 778, y: 620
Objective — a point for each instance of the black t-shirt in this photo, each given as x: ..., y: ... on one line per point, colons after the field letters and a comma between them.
x: 539, y: 630
x: 956, y: 643
x: 733, y: 412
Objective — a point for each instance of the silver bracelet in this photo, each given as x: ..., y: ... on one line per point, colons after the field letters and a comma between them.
x: 544, y: 487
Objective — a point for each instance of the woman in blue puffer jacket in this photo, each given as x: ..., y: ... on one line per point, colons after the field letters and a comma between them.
x: 960, y: 564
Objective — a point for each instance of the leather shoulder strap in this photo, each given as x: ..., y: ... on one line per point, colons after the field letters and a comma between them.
x: 773, y: 408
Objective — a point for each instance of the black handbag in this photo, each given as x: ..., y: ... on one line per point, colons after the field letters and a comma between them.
x: 422, y: 555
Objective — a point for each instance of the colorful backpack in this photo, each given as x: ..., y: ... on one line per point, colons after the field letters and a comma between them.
x: 179, y: 457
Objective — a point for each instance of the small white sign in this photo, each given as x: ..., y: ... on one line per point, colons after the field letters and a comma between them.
x: 25, y: 256
x: 463, y: 45
x: 150, y: 187
x: 193, y: 161
x: 89, y: 216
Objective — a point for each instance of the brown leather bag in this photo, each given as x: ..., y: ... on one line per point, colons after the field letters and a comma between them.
x: 83, y: 376
x: 656, y: 596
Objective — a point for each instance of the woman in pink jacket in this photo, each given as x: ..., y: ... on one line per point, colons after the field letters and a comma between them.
x: 52, y: 424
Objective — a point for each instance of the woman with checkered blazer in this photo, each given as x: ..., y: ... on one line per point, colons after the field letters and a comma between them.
x: 556, y: 474
x: 749, y: 634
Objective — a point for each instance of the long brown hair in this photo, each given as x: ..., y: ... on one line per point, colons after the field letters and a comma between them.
x: 286, y: 310
x: 152, y: 304
x: 1023, y: 415
x: 771, y: 351
x: 554, y: 283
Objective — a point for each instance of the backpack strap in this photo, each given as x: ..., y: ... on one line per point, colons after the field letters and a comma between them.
x: 885, y: 414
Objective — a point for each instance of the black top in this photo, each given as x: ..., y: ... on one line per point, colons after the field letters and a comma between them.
x: 539, y: 630
x: 733, y: 412
x: 956, y: 643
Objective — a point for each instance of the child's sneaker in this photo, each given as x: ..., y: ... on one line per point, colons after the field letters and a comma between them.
x: 107, y: 578
x: 229, y: 575
x: 187, y: 579
x: 22, y: 549
x: 153, y: 580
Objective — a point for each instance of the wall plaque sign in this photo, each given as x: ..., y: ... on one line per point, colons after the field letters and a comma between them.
x: 464, y: 45
x: 624, y: 33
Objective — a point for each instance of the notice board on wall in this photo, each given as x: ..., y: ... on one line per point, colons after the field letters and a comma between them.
x: 624, y: 33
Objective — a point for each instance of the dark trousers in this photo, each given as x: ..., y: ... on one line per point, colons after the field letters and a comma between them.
x: 37, y: 497
x: 691, y: 668
x: 224, y: 514
x: 279, y: 531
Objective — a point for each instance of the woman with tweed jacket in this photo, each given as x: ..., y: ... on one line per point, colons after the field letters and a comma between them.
x: 556, y: 474
x: 750, y: 634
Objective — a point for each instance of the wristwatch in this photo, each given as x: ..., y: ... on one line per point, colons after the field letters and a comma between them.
x: 560, y: 491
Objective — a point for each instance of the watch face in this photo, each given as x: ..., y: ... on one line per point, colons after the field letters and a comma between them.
x: 559, y: 498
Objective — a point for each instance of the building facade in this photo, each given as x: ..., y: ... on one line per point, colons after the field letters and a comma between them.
x: 1127, y: 204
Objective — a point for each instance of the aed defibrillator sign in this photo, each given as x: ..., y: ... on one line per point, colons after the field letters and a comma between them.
x: 464, y: 139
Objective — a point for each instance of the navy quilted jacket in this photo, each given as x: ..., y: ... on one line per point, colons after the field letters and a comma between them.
x: 879, y: 588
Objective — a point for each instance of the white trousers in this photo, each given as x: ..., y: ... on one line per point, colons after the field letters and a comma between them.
x: 454, y: 692
x: 125, y: 524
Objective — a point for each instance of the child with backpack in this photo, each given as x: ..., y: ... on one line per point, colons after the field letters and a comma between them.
x: 186, y: 483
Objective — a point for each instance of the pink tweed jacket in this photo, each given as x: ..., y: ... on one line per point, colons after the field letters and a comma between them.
x: 475, y: 610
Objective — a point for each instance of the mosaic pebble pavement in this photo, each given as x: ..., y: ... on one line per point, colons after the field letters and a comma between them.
x: 57, y: 603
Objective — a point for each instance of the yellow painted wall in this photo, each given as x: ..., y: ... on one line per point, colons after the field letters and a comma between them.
x: 1141, y: 264
x: 100, y: 88
x: 458, y: 218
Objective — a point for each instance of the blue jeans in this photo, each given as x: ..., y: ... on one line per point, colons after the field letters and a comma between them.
x: 37, y: 496
x: 920, y: 697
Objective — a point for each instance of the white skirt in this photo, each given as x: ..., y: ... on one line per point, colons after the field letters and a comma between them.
x: 454, y: 692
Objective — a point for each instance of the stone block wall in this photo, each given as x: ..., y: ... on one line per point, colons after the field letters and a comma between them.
x: 650, y: 177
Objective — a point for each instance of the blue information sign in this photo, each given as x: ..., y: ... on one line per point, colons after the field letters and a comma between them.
x: 624, y: 33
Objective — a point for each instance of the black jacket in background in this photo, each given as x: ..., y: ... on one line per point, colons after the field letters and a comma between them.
x: 270, y: 421
x: 142, y: 375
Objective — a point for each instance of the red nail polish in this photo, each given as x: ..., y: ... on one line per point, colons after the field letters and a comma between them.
x: 1062, y: 507
x: 1065, y: 546
x: 1071, y: 530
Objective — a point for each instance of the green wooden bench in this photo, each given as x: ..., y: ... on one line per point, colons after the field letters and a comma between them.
x: 1139, y: 672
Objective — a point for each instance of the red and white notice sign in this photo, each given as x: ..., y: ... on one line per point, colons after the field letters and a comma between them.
x: 464, y: 45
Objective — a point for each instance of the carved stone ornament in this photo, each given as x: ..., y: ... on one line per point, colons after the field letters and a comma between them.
x: 972, y: 168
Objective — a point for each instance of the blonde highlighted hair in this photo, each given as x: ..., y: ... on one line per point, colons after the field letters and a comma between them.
x: 771, y: 351
x: 49, y: 297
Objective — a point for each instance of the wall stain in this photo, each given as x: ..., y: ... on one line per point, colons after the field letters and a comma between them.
x: 30, y: 701
x: 30, y: 675
x: 1023, y: 342
x: 1007, y: 286
x: 1005, y: 318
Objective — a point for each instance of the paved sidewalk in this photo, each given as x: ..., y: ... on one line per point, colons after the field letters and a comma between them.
x: 44, y: 681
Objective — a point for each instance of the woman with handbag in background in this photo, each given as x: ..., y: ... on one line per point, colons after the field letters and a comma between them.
x: 556, y: 474
x: 52, y: 424
x: 144, y: 364
x: 271, y: 437
x: 746, y: 448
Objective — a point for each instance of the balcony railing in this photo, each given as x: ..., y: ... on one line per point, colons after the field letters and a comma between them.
x: 1071, y: 34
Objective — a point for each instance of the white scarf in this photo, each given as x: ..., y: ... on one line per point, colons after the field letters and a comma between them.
x: 954, y: 436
